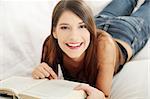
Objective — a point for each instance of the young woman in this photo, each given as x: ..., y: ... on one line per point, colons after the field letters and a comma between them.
x: 93, y: 55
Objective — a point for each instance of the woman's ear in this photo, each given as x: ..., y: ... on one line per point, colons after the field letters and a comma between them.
x: 55, y: 35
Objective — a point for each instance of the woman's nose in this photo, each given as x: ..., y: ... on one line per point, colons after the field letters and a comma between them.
x: 74, y: 34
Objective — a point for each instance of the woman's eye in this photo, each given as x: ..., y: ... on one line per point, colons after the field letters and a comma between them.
x: 64, y: 27
x: 82, y: 26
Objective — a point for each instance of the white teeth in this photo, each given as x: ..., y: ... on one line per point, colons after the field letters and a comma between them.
x: 74, y: 45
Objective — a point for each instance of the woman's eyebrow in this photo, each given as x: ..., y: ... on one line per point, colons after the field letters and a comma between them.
x: 81, y: 22
x: 68, y: 23
x: 63, y: 24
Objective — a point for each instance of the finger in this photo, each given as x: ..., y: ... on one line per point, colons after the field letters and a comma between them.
x: 50, y: 70
x: 35, y: 77
x: 53, y: 74
x: 44, y: 72
x: 38, y: 74
x: 50, y: 77
x: 85, y: 87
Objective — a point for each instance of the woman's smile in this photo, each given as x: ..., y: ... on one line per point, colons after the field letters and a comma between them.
x: 74, y: 45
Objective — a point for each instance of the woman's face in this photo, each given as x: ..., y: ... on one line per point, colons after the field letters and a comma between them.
x: 72, y: 35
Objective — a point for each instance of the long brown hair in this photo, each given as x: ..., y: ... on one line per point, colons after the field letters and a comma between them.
x: 54, y: 54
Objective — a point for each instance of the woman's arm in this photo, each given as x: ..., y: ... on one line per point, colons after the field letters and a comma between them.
x: 108, y: 59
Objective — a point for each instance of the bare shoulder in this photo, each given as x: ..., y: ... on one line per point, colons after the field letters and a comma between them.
x: 106, y: 49
x: 103, y: 37
x: 106, y: 61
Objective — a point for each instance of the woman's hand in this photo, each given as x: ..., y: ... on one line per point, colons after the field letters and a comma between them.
x: 44, y: 71
x: 92, y: 93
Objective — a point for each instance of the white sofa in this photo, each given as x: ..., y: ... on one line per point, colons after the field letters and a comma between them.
x: 24, y: 25
x: 133, y: 82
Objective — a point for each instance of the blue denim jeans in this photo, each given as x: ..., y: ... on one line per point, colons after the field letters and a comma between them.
x: 119, y: 20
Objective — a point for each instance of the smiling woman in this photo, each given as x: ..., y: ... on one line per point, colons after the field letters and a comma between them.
x: 72, y: 34
x: 89, y: 55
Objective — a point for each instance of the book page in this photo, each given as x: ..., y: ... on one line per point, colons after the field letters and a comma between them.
x: 18, y: 84
x: 55, y: 89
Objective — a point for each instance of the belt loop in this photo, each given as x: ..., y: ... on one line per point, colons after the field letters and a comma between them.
x: 106, y: 26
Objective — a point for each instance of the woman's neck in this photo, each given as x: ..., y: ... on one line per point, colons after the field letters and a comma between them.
x: 73, y: 63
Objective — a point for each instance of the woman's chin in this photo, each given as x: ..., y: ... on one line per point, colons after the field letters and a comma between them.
x: 76, y: 57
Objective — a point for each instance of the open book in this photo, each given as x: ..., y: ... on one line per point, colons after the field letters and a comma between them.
x: 29, y: 88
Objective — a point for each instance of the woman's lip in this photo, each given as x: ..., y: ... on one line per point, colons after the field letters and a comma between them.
x: 73, y: 42
x: 76, y: 46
